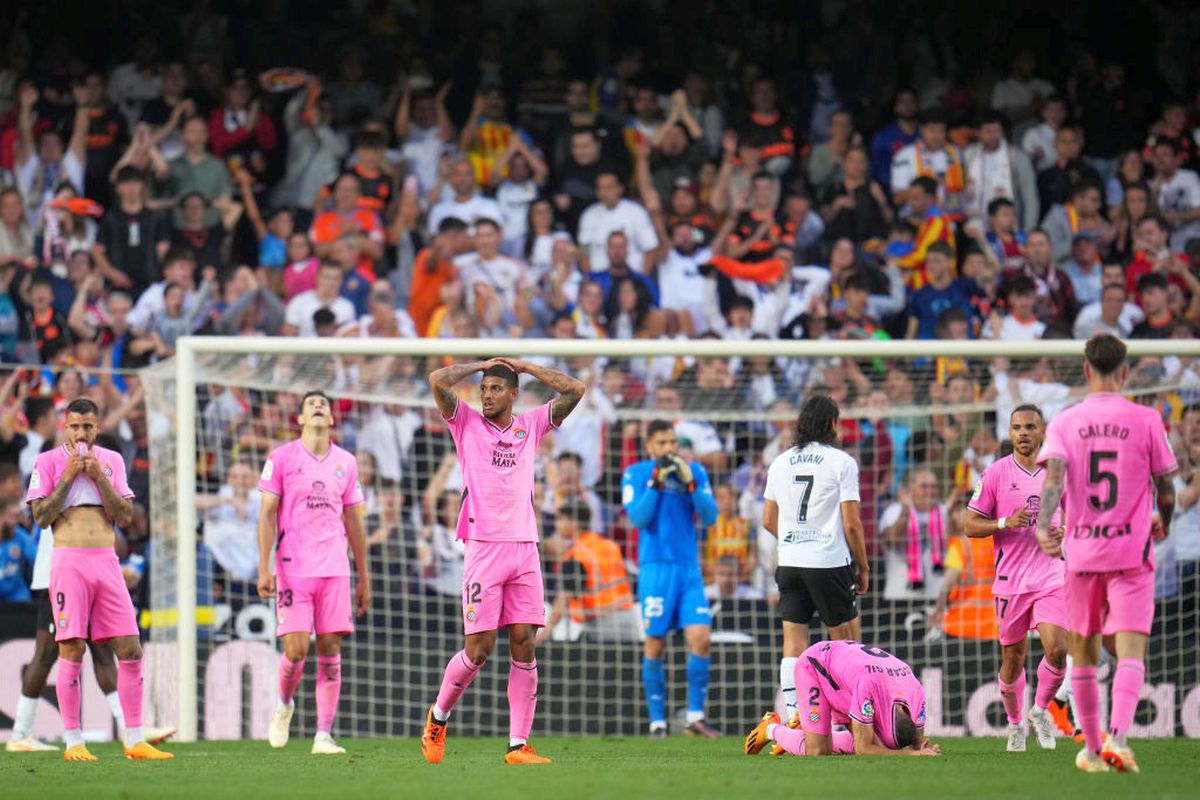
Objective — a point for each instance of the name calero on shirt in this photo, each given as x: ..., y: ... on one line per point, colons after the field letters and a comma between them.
x: 1106, y: 430
x: 503, y: 455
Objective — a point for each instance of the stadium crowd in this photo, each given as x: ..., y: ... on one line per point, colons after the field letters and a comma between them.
x: 510, y: 193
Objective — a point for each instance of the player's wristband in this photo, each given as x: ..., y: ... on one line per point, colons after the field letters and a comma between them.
x: 1000, y: 523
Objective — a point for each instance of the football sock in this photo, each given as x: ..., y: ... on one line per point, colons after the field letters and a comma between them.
x: 1064, y: 691
x: 522, y: 699
x: 697, y: 680
x: 460, y: 671
x: 290, y: 673
x: 114, y: 705
x: 69, y: 698
x: 1049, y: 680
x: 1126, y: 690
x: 1013, y: 696
x: 129, y: 687
x: 787, y: 683
x: 23, y: 721
x: 654, y: 684
x: 329, y: 689
x: 843, y: 741
x: 1087, y: 705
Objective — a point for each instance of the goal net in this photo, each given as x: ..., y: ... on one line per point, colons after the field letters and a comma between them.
x: 922, y: 419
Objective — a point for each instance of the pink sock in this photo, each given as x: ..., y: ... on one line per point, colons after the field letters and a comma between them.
x: 1087, y: 704
x: 459, y: 674
x: 329, y: 688
x: 843, y: 743
x: 290, y: 673
x: 1126, y: 690
x: 522, y: 698
x: 69, y: 695
x: 792, y: 740
x: 129, y: 691
x: 1049, y: 679
x: 1013, y: 695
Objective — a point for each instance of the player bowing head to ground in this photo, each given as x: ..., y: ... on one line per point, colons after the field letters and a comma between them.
x: 502, y: 570
x: 1007, y: 506
x: 1106, y: 454
x: 811, y: 507
x: 878, y: 692
x: 310, y: 498
x: 663, y: 498
x: 78, y: 492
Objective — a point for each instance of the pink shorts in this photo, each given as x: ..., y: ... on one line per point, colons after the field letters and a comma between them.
x: 88, y: 596
x: 1110, y: 602
x: 313, y: 605
x: 1021, y: 613
x: 502, y: 585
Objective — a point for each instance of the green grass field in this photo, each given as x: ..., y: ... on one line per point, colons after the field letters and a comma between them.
x: 609, y: 768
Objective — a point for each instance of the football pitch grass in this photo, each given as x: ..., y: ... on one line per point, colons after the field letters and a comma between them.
x: 610, y: 768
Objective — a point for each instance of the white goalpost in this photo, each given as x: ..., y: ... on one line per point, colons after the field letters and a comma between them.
x: 224, y: 400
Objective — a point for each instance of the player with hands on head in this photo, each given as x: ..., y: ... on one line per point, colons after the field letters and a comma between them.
x: 1006, y: 505
x: 310, y: 513
x: 664, y: 496
x: 502, y: 569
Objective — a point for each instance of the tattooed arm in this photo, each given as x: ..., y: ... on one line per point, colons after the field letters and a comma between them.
x: 1165, y: 497
x: 119, y: 509
x: 47, y: 509
x: 442, y: 382
x: 1049, y: 539
x: 570, y: 390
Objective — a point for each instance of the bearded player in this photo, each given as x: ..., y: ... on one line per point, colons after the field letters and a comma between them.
x: 78, y: 492
x: 878, y: 692
x: 310, y: 513
x: 1028, y: 588
x: 502, y: 575
x: 1107, y: 453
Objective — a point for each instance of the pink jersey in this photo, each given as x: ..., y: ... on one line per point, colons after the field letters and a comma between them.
x: 497, y: 469
x: 1112, y: 447
x: 1021, y: 566
x: 865, y: 682
x: 313, y: 492
x: 50, y: 465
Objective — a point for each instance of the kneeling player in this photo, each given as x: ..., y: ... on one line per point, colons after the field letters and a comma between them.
x: 878, y: 693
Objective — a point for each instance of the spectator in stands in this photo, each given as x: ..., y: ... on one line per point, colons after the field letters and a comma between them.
x: 1080, y: 214
x: 424, y: 129
x: 1020, y: 95
x: 197, y: 171
x: 1038, y: 142
x: 932, y: 156
x: 348, y: 218
x: 315, y: 149
x: 729, y: 536
x: 464, y: 201
x: 241, y: 132
x: 854, y: 206
x: 1136, y: 204
x: 1056, y: 296
x: 593, y: 586
x: 1020, y: 324
x: 250, y: 307
x: 1084, y: 268
x: 16, y: 238
x: 231, y: 522
x: 1069, y: 170
x: 565, y: 486
x: 1003, y: 236
x: 487, y: 135
x: 43, y: 427
x: 997, y: 169
x: 446, y: 550
x: 1152, y: 254
x: 614, y: 212
x: 1108, y: 315
x: 179, y: 268
x: 1177, y: 192
x: 45, y: 325
x: 327, y: 294
x: 40, y: 161
x: 18, y: 550
x: 768, y: 129
x: 1185, y: 527
x: 209, y: 243
x: 914, y: 530
x: 934, y: 227
x: 502, y: 276
x: 727, y: 583
x: 943, y: 291
x: 1159, y: 322
x: 1131, y: 170
x: 965, y: 607
x: 132, y: 238
x: 894, y: 137
x: 825, y: 163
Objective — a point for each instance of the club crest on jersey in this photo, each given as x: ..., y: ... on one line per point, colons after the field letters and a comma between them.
x: 107, y: 471
x: 62, y: 622
x: 339, y: 472
x: 470, y: 613
x: 519, y: 433
x: 14, y: 551
x: 814, y: 715
x: 920, y: 720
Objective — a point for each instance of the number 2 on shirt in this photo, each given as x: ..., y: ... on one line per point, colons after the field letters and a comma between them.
x: 805, y: 482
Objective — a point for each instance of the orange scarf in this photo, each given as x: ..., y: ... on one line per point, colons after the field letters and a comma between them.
x: 1072, y: 217
x: 955, y: 181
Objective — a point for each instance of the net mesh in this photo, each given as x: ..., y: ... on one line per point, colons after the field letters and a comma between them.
x: 901, y: 417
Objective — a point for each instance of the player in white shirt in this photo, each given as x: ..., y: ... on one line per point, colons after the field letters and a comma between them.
x: 811, y: 507
x: 1178, y: 192
x: 613, y: 213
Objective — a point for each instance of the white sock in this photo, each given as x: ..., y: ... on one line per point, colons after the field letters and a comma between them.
x: 771, y: 731
x: 515, y: 742
x: 439, y: 715
x: 787, y: 682
x: 73, y: 738
x: 322, y: 735
x: 1064, y: 691
x: 655, y: 724
x: 23, y: 721
x: 133, y: 736
x: 114, y: 705
x: 694, y: 716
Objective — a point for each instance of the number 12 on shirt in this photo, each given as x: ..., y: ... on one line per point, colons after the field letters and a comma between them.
x: 805, y: 482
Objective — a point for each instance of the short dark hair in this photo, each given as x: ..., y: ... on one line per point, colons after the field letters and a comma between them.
x: 934, y: 116
x: 82, y: 405
x: 1028, y: 407
x: 371, y: 138
x: 856, y: 281
x: 576, y: 511
x: 323, y: 316
x: 1086, y: 186
x: 178, y: 253
x: 816, y: 423
x: 502, y: 372
x: 313, y: 393
x: 941, y: 248
x: 570, y: 455
x: 487, y: 221
x: 451, y: 225
x: 38, y: 407
x: 129, y: 174
x: 1152, y: 280
x: 1021, y: 284
x: 925, y: 183
x: 904, y: 728
x: 1105, y: 353
x: 1000, y: 202
x: 991, y: 117
x: 657, y: 426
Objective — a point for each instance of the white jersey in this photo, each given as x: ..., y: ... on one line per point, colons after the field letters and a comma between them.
x: 41, y: 564
x: 809, y: 486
